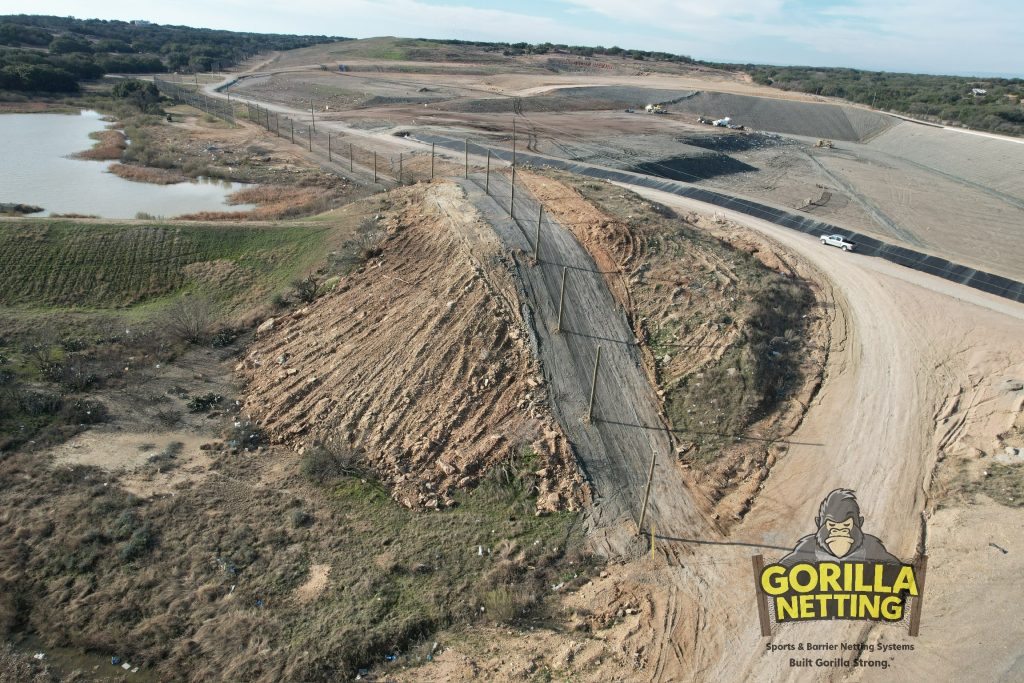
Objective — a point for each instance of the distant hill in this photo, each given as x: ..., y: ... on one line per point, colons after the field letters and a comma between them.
x: 54, y: 54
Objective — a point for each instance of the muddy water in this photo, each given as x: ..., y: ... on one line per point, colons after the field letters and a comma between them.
x: 35, y: 168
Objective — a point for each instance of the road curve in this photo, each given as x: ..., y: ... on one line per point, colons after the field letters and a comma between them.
x: 911, y: 355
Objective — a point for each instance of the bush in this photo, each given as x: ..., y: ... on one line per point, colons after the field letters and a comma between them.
x: 85, y: 412
x: 190, y: 319
x: 307, y: 289
x: 140, y: 541
x: 323, y: 464
x: 200, y: 404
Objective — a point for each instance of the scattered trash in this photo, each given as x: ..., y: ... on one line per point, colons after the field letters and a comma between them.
x: 114, y: 661
x: 558, y: 586
x: 39, y: 655
x: 126, y: 666
x: 480, y: 550
x: 1000, y: 548
x: 390, y: 658
x: 259, y: 602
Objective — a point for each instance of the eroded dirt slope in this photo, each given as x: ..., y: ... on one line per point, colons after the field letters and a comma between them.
x: 418, y: 360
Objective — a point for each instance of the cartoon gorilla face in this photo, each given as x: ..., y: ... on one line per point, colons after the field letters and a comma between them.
x: 839, y: 522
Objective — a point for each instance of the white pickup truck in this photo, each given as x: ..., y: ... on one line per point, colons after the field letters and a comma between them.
x: 837, y: 241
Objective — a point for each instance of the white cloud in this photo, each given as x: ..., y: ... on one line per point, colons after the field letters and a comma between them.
x: 922, y: 35
x: 931, y: 35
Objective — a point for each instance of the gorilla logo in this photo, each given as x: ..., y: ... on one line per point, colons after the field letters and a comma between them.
x: 839, y: 536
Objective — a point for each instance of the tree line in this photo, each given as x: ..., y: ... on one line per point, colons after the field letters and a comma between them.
x: 54, y: 54
x: 991, y: 104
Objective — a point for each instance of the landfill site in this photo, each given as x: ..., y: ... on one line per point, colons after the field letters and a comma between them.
x: 600, y: 285
x: 905, y: 385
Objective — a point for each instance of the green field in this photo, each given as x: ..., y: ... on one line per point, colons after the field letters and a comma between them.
x: 85, y: 265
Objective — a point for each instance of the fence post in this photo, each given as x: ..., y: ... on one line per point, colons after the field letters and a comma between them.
x: 647, y: 493
x: 762, y: 599
x: 467, y: 157
x: 513, y: 140
x: 561, y: 299
x: 487, y: 183
x: 536, y: 242
x: 512, y: 203
x: 374, y: 167
x: 310, y: 131
x: 399, y: 168
x: 293, y: 130
x: 312, y: 116
x: 431, y: 160
x: 329, y: 159
x: 351, y: 163
x: 593, y: 385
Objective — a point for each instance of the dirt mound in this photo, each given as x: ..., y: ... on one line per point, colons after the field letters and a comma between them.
x: 831, y: 121
x: 417, y: 360
x: 722, y: 324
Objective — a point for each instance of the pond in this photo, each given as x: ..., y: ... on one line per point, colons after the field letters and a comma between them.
x: 36, y: 169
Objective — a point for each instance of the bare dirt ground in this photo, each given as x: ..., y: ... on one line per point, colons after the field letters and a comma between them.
x: 955, y: 195
x: 419, y: 361
x: 153, y: 442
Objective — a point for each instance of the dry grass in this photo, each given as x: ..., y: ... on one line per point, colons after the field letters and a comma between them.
x: 109, y: 146
x: 146, y: 174
x: 272, y: 202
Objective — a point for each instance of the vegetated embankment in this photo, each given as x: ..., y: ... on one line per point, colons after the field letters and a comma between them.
x: 48, y: 262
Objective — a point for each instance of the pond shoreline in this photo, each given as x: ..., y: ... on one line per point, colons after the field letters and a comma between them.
x: 46, y: 166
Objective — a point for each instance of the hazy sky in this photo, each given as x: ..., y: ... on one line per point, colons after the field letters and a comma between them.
x: 932, y: 36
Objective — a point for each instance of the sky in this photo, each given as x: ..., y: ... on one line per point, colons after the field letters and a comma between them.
x: 982, y: 37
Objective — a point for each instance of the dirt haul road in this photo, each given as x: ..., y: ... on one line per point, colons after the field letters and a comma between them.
x: 616, y: 446
x: 914, y: 375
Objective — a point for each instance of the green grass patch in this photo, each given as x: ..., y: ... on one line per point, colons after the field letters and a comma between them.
x: 74, y: 265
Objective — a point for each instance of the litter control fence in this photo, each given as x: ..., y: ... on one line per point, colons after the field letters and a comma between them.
x: 191, y: 95
x: 449, y: 157
x: 870, y: 246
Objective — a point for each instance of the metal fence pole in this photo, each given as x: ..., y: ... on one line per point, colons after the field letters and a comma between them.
x: 536, y: 243
x: 431, y: 160
x: 561, y: 299
x: 487, y: 183
x: 593, y: 385
x: 512, y: 203
x: 351, y: 163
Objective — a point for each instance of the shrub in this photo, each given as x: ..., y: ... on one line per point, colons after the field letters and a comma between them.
x: 140, y: 541
x: 85, y: 412
x: 323, y: 464
x: 307, y: 289
x: 190, y: 319
x: 200, y: 404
